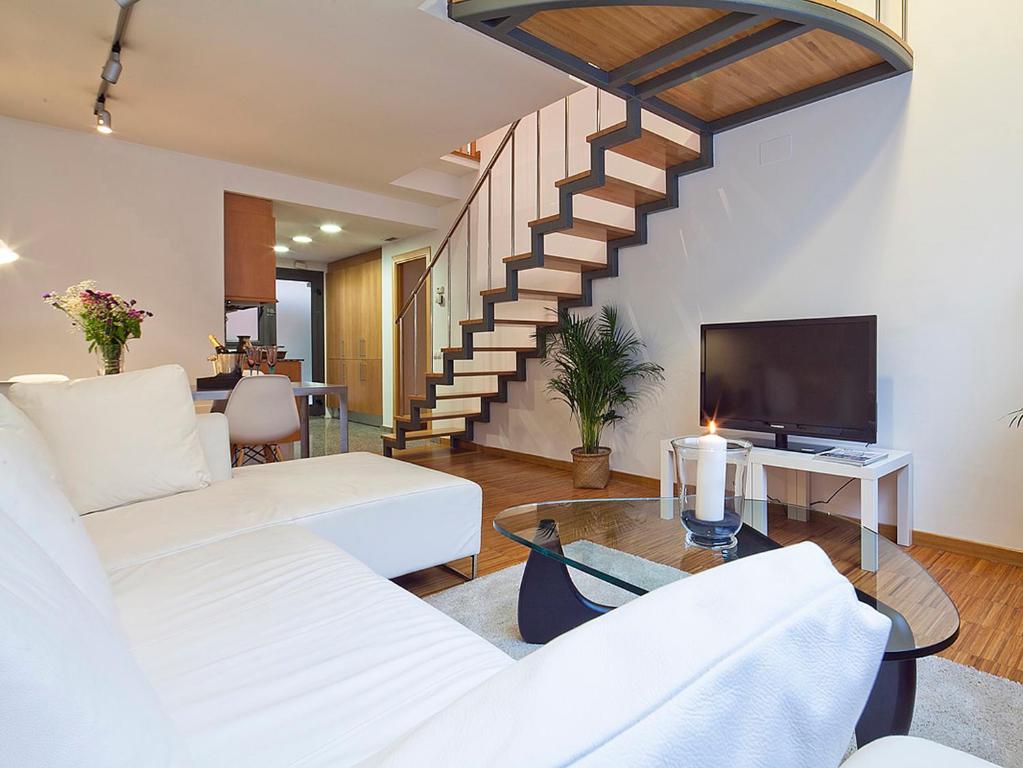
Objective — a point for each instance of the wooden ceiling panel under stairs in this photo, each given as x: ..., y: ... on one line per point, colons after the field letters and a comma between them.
x: 709, y: 65
x: 706, y: 66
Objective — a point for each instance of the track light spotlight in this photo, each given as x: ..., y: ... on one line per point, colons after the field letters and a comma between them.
x: 126, y: 3
x: 112, y: 69
x: 103, y: 121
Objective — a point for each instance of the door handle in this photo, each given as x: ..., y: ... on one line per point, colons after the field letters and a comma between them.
x: 362, y: 347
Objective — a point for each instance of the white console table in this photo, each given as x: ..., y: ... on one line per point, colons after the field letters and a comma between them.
x: 803, y: 465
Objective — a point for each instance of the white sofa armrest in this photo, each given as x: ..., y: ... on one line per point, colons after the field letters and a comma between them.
x: 765, y: 661
x: 911, y: 752
x: 216, y: 444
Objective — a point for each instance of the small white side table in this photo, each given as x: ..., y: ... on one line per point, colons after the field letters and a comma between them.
x: 803, y: 465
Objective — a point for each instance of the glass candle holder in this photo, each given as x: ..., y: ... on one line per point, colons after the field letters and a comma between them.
x: 711, y: 475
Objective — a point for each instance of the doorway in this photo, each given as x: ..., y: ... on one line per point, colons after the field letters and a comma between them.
x: 413, y: 336
x: 299, y: 326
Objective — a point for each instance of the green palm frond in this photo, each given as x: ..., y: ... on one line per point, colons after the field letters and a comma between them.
x: 596, y: 367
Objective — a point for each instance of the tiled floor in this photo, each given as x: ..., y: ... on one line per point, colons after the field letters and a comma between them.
x: 324, y: 437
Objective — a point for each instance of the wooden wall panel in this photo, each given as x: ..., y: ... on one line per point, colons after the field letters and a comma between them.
x: 355, y: 331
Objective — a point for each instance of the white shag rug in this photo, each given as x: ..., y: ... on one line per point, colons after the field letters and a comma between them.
x: 956, y: 705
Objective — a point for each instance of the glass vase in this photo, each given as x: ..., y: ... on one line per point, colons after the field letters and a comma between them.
x: 711, y: 497
x: 110, y: 359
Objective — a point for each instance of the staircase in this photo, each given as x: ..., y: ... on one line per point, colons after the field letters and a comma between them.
x: 644, y: 62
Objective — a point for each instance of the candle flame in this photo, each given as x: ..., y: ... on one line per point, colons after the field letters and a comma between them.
x: 713, y: 428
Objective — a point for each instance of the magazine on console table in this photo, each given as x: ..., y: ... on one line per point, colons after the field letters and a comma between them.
x: 858, y: 457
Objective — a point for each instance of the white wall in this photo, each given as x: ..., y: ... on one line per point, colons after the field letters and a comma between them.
x: 143, y: 222
x: 900, y: 200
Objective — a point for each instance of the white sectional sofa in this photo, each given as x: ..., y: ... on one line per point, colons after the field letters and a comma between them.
x: 395, y: 517
x: 243, y: 619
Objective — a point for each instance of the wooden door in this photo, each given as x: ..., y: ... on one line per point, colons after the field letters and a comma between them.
x: 413, y: 335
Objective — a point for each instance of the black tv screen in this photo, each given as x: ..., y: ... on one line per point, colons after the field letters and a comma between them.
x: 814, y: 377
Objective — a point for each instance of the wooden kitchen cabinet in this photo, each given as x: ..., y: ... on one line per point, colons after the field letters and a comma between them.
x: 250, y: 265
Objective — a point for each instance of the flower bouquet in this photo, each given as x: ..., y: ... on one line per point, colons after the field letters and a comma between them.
x: 105, y: 319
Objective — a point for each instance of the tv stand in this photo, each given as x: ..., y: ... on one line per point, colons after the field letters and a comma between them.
x: 782, y: 443
x: 801, y: 466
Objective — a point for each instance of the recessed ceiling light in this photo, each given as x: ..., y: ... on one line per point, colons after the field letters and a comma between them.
x: 7, y: 255
x: 330, y: 229
x: 281, y: 249
x: 302, y: 239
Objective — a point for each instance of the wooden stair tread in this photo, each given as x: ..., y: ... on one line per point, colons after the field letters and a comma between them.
x: 545, y: 292
x: 477, y: 348
x: 452, y: 415
x: 463, y: 395
x: 425, y: 434
x: 534, y: 292
x: 591, y: 230
x: 439, y: 376
x: 509, y: 321
x: 615, y: 190
x: 650, y: 148
x: 559, y: 263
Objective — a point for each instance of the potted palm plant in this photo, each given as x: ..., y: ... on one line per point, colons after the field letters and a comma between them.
x: 595, y: 360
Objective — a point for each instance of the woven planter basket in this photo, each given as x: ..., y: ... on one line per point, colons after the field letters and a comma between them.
x: 591, y: 470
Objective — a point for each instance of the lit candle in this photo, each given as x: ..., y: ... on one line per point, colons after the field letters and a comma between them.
x: 710, y: 476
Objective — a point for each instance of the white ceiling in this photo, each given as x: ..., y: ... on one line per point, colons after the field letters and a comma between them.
x: 359, y: 233
x: 354, y: 92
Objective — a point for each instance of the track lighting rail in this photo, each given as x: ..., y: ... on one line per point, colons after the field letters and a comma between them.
x: 112, y: 68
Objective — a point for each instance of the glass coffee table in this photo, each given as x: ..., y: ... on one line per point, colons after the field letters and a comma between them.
x: 628, y: 543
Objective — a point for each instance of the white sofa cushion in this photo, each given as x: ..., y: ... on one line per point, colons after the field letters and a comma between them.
x: 275, y: 648
x: 119, y: 439
x: 31, y: 495
x: 763, y: 662
x: 215, y: 439
x: 393, y: 516
x: 70, y: 692
x: 911, y: 752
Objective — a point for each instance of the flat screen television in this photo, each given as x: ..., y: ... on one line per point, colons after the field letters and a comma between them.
x: 815, y: 378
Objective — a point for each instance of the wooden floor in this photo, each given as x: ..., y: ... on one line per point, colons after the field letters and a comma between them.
x: 989, y: 595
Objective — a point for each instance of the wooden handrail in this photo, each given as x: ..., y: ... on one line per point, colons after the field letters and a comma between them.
x: 458, y: 219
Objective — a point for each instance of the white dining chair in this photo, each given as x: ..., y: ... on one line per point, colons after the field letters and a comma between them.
x: 37, y: 378
x: 261, y: 412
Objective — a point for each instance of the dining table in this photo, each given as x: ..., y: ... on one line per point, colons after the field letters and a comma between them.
x: 302, y: 391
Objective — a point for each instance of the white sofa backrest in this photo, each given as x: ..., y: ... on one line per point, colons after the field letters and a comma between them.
x: 765, y: 661
x: 31, y: 495
x: 71, y: 693
x: 119, y: 439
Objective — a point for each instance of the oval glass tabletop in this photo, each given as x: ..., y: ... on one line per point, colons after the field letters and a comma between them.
x: 628, y: 543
